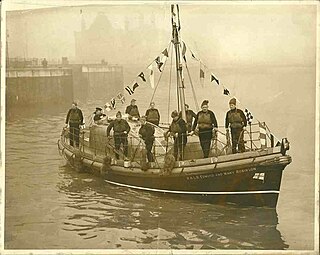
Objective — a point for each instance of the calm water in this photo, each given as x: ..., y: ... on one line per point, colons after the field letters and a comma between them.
x: 48, y: 205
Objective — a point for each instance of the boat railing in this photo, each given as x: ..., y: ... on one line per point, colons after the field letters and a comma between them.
x: 257, y: 136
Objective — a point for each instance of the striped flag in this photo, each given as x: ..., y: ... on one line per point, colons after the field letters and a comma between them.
x: 129, y: 90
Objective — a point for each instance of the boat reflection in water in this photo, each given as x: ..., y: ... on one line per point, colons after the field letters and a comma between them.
x: 108, y: 216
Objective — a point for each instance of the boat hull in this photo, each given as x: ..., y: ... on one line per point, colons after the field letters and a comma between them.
x: 247, y: 181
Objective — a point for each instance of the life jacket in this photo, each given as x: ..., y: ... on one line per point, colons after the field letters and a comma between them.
x: 204, y: 120
x: 120, y: 126
x: 134, y: 112
x: 153, y: 116
x: 175, y: 127
x: 75, y: 116
x: 235, y: 119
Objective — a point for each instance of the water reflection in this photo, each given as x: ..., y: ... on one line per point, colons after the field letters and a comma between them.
x: 125, y: 218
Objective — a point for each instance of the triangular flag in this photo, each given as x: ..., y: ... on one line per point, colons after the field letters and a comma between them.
x: 129, y: 90
x: 201, y: 74
x: 226, y: 92
x: 141, y: 75
x: 151, y: 76
x: 136, y: 85
x: 121, y: 97
x: 193, y: 56
x: 108, y: 107
x: 213, y: 78
x: 113, y: 103
x: 159, y: 63
x: 165, y: 52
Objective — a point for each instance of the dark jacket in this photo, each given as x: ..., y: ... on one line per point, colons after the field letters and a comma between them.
x: 74, y: 116
x: 236, y: 119
x: 118, y: 127
x: 205, y: 120
x: 147, y: 132
x: 153, y: 116
x: 98, y: 117
x: 133, y: 111
x: 190, y: 115
x: 178, y: 126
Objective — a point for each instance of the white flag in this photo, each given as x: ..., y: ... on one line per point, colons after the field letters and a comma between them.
x: 151, y: 76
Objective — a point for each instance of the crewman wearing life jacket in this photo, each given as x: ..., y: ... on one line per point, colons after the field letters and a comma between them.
x: 146, y: 132
x: 190, y: 115
x: 153, y: 115
x: 74, y: 119
x: 237, y: 121
x: 207, y: 124
x: 178, y: 129
x: 98, y: 116
x: 121, y: 130
x: 133, y: 110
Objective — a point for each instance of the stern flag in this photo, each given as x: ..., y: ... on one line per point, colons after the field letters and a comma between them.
x: 213, y: 78
x: 249, y: 116
x: 121, y: 97
x: 159, y: 63
x: 141, y: 75
x: 226, y: 92
x: 129, y: 90
x: 136, y: 85
x: 201, y: 74
x: 113, y: 103
x: 151, y: 76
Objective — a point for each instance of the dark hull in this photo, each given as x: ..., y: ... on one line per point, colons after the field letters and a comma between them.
x: 220, y: 182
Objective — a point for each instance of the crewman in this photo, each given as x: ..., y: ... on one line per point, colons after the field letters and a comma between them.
x: 178, y: 129
x: 190, y: 115
x: 133, y: 110
x: 207, y: 124
x: 74, y: 119
x: 121, y: 130
x: 153, y: 115
x: 237, y: 121
x: 146, y: 132
x: 98, y: 116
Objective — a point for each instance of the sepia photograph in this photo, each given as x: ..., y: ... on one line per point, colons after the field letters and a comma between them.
x: 158, y: 127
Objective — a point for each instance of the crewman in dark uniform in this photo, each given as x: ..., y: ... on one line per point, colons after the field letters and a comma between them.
x: 146, y: 132
x: 74, y: 119
x: 190, y: 117
x: 133, y: 110
x: 178, y: 129
x: 153, y: 115
x: 98, y: 116
x: 207, y: 124
x: 121, y: 130
x: 237, y: 121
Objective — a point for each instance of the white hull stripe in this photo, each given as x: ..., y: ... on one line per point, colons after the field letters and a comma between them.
x: 196, y: 192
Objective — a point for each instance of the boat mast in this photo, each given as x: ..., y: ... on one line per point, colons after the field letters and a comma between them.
x: 175, y: 39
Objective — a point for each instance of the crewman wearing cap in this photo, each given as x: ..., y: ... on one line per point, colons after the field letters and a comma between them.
x: 133, y: 110
x: 121, y: 130
x: 146, y: 132
x: 237, y: 121
x: 75, y: 120
x: 98, y: 116
x: 178, y: 129
x: 206, y: 123
x: 153, y: 115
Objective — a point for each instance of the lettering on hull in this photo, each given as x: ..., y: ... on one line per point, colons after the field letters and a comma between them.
x: 220, y: 174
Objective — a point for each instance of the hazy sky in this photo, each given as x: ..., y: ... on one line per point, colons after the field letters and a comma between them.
x: 263, y: 34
